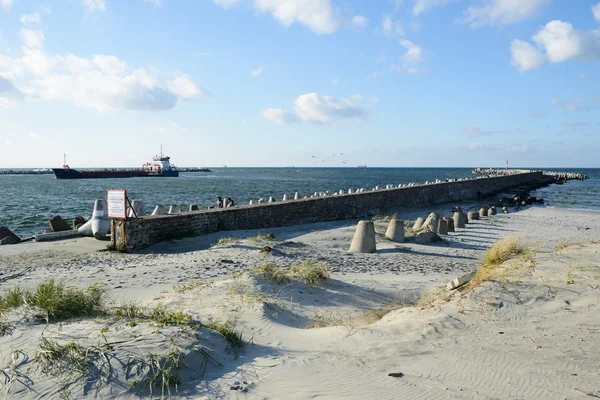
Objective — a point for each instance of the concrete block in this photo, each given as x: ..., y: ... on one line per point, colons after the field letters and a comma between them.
x: 395, y: 230
x: 364, y: 238
x: 44, y: 237
x: 461, y: 280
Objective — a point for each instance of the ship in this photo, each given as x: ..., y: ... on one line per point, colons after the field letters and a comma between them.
x: 160, y: 166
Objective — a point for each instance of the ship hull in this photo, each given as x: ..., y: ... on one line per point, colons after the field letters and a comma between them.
x: 62, y: 173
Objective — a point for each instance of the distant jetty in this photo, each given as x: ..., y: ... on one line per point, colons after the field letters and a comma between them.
x: 559, y: 176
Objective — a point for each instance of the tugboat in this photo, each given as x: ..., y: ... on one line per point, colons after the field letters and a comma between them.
x: 159, y: 166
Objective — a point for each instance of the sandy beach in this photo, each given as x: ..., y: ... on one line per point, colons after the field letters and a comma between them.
x: 534, y: 334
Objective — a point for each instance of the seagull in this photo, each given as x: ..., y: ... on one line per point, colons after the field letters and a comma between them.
x: 313, y: 156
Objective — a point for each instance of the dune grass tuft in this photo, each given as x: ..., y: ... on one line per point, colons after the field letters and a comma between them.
x: 272, y: 273
x: 431, y: 297
x: 130, y: 310
x: 57, y: 300
x: 375, y: 315
x: 311, y: 272
x: 500, y: 252
x: 225, y: 240
x: 260, y: 237
x: 237, y: 344
x: 327, y: 318
x: 566, y: 243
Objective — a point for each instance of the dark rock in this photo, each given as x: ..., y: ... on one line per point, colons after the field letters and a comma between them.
x: 266, y: 249
x: 78, y: 221
x: 57, y: 224
x: 7, y: 233
x: 9, y: 240
x: 426, y: 237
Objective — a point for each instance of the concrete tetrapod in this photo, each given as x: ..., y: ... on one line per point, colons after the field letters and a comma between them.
x: 297, y: 196
x: 194, y: 207
x: 138, y: 207
x: 173, y: 209
x: 483, y: 212
x: 285, y: 197
x: 450, y: 223
x: 418, y: 224
x: 442, y: 227
x: 364, y: 238
x: 473, y: 215
x: 395, y: 230
x: 432, y: 222
x: 492, y: 210
x: 459, y: 219
x: 100, y: 222
x: 158, y: 210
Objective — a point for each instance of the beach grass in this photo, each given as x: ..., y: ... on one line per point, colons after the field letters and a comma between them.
x: 272, y: 273
x: 566, y: 243
x: 57, y: 300
x: 374, y: 315
x: 496, y: 255
x: 310, y: 271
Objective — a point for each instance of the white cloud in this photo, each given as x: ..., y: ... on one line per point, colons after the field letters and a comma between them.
x: 110, y: 65
x: 389, y: 26
x: 94, y: 5
x: 476, y: 131
x: 318, y: 15
x: 414, y: 53
x: 502, y: 12
x: 226, y: 4
x: 101, y: 82
x: 557, y: 42
x: 32, y: 39
x: 525, y: 56
x: 6, y: 3
x: 31, y: 19
x: 360, y: 21
x: 314, y: 108
x: 422, y: 6
x: 10, y: 96
x: 257, y: 71
x: 596, y: 12
x: 335, y: 81
x: 279, y: 116
x: 185, y: 88
x: 577, y: 105
x: 560, y: 41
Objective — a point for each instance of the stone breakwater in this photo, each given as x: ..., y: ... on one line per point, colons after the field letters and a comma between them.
x: 142, y: 232
x: 559, y: 176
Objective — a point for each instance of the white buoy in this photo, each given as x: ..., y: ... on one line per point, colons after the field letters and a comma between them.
x: 100, y: 222
x: 159, y: 210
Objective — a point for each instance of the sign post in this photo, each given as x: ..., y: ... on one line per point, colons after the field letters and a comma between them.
x: 117, y: 204
x: 116, y: 201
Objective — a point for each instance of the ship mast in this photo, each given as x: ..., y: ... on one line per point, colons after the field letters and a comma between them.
x: 161, y: 155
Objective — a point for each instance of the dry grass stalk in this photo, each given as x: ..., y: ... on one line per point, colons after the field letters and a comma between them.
x: 499, y: 253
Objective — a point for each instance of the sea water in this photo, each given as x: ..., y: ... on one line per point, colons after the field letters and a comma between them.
x: 28, y: 201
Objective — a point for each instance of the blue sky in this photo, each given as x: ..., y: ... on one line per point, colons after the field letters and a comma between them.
x: 300, y: 82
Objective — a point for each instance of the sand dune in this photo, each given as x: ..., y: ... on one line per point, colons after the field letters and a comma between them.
x: 534, y: 334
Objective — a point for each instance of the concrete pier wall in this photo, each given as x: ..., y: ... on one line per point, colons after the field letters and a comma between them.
x: 142, y: 232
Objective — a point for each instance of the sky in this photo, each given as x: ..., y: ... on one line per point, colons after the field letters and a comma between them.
x: 325, y: 83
